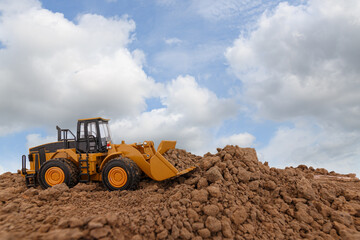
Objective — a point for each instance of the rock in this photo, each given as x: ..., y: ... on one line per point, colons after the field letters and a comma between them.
x: 213, y: 224
x: 342, y: 217
x: 6, y: 196
x: 211, y: 210
x: 10, y: 207
x: 176, y: 197
x: 30, y: 192
x: 163, y: 234
x: 168, y: 224
x: 305, y: 189
x: 100, y: 232
x: 198, y: 225
x: 254, y: 185
x: 226, y: 229
x: 213, y: 174
x: 351, y: 195
x: 325, y: 194
x: 214, y: 191
x: 200, y: 195
x: 192, y: 214
x: 111, y: 219
x: 175, y: 232
x: 75, y: 222
x: 202, y: 183
x: 185, y: 234
x: 270, y: 185
x: 53, y: 193
x: 239, y: 216
x: 137, y: 237
x: 249, y: 228
x: 302, y: 216
x: 243, y: 175
x: 327, y: 227
x: 64, y: 234
x: 93, y: 225
x: 271, y: 210
x: 97, y: 222
x: 349, y: 234
x: 204, y: 233
x: 206, y: 163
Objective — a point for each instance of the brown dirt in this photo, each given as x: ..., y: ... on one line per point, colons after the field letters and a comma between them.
x: 231, y: 195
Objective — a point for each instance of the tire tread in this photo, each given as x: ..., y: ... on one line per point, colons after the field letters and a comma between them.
x: 72, y: 168
x: 133, y: 169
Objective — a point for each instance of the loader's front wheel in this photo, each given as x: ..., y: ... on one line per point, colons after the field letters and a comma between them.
x: 121, y: 174
x: 57, y: 171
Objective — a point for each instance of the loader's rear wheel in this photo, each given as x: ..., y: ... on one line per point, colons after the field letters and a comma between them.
x: 121, y: 174
x: 57, y: 171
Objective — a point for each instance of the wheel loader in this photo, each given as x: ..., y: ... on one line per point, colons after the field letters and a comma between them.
x: 90, y: 155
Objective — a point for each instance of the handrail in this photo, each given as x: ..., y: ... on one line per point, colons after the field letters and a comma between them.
x: 63, y: 136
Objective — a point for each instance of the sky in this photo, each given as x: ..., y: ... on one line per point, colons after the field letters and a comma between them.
x: 282, y: 77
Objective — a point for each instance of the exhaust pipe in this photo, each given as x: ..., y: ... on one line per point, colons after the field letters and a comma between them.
x: 23, y: 169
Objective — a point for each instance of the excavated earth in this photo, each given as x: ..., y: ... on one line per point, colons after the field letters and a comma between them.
x: 231, y: 195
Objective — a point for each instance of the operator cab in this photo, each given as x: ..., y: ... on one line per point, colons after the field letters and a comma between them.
x: 93, y: 135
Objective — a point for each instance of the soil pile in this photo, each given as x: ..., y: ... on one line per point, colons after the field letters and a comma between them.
x: 231, y: 195
x: 181, y: 159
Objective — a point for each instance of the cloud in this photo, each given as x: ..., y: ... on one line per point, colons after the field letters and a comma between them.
x: 54, y: 70
x: 219, y: 10
x: 172, y: 41
x: 302, y: 65
x: 189, y: 114
x: 241, y: 139
x: 35, y: 139
x: 10, y: 162
x: 307, y: 55
x: 314, y: 146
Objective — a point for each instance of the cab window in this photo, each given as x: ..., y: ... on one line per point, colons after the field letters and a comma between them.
x: 82, y: 130
x: 104, y: 133
x: 92, y: 129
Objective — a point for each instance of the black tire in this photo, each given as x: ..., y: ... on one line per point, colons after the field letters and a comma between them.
x: 69, y: 169
x: 125, y: 166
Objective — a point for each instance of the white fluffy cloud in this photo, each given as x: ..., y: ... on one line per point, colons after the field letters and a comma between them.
x: 314, y: 146
x: 189, y: 112
x: 302, y: 64
x: 36, y: 139
x: 172, y: 41
x: 308, y: 55
x: 52, y: 69
x: 241, y: 139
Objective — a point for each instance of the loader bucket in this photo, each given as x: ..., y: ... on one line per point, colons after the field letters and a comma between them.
x: 161, y: 168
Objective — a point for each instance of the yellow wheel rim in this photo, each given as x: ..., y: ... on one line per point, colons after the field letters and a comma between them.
x: 54, y: 175
x: 117, y: 177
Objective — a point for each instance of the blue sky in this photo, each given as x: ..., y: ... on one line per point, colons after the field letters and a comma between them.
x: 280, y: 76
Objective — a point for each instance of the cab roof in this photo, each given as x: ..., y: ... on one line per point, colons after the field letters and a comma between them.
x: 97, y: 118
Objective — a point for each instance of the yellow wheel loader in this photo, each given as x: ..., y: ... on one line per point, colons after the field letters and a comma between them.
x: 91, y: 156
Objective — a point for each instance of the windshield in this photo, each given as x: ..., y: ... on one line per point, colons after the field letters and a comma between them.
x: 104, y: 133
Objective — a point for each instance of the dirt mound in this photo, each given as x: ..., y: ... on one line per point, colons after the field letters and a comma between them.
x: 181, y: 159
x: 231, y: 195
